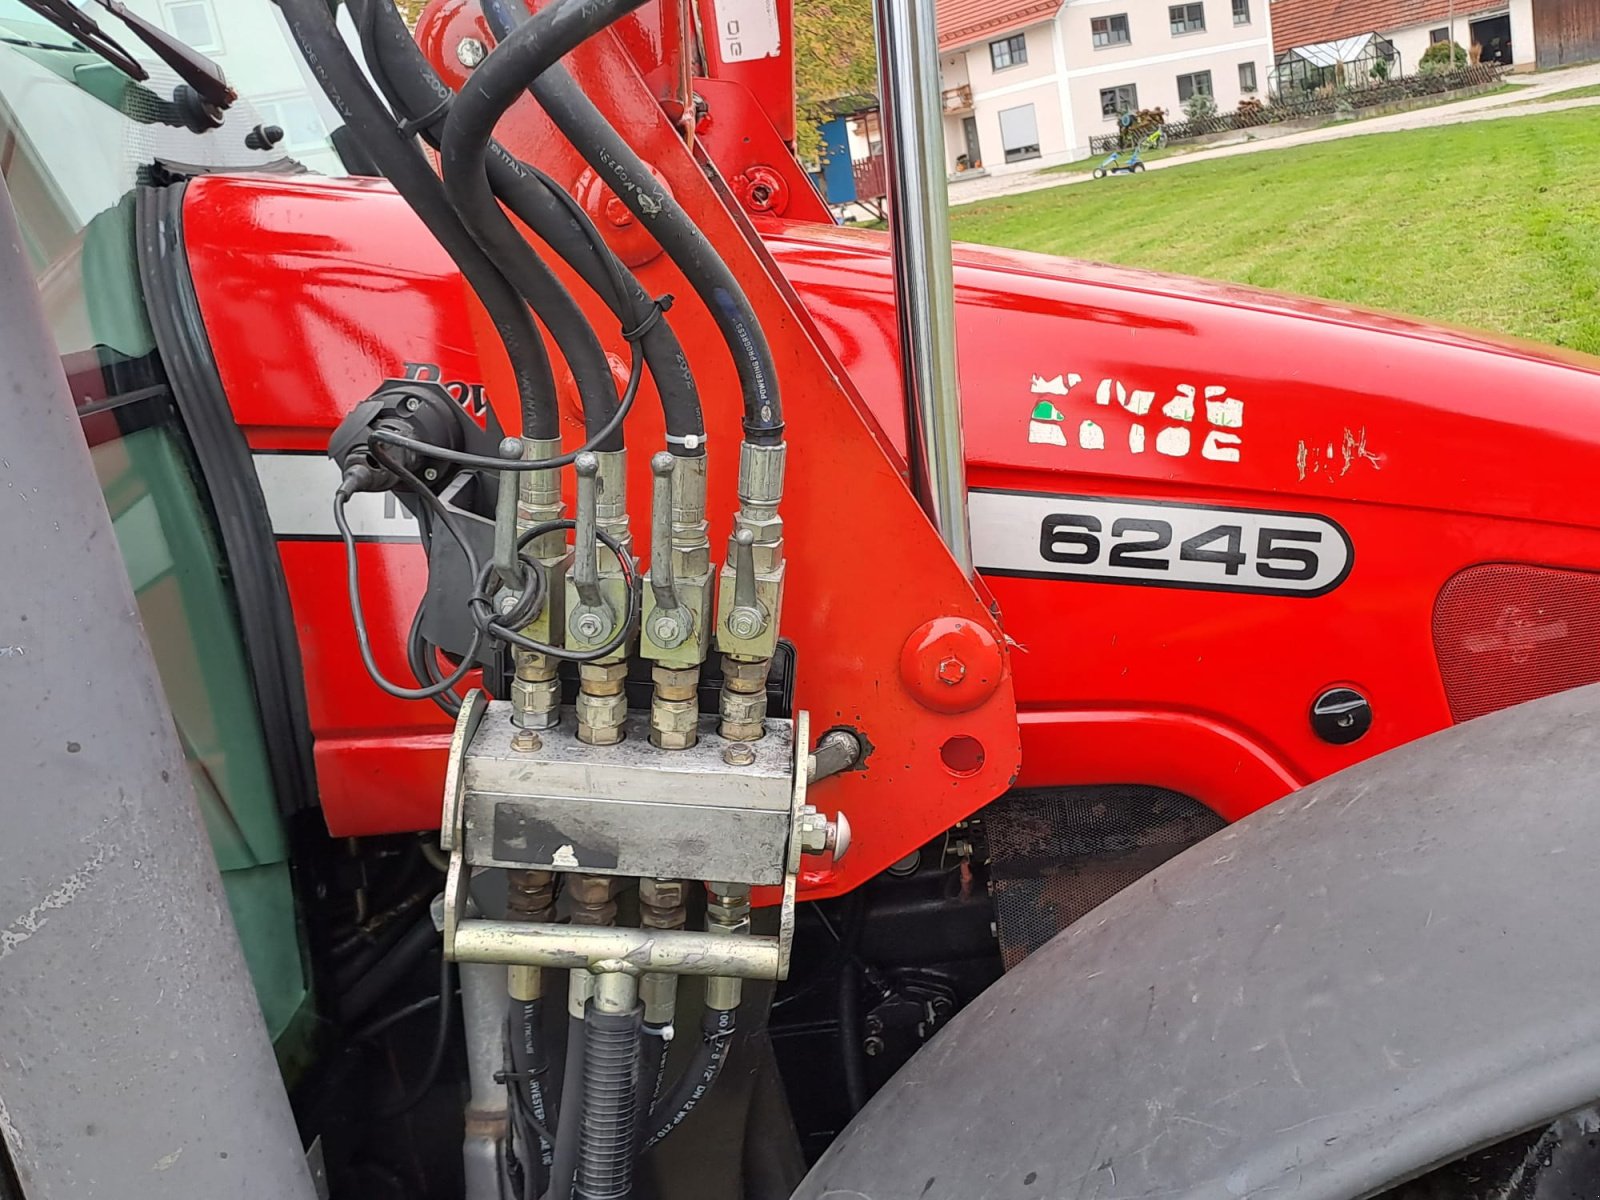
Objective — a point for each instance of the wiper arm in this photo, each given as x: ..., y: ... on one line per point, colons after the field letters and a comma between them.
x: 203, y: 76
x: 194, y: 68
x: 69, y: 20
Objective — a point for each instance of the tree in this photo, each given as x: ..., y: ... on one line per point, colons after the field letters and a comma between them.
x: 835, y: 56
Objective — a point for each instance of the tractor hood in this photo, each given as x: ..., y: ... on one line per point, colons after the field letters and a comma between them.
x: 1166, y: 384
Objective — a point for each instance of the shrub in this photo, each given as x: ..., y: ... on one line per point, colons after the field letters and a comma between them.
x: 1199, y: 106
x: 1441, y: 56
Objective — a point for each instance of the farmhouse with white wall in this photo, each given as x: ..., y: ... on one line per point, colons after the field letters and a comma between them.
x: 1027, y: 83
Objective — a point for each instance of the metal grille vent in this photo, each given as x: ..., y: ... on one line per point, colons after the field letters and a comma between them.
x: 1056, y: 853
x: 1506, y: 632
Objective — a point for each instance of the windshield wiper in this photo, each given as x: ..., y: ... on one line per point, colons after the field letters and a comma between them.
x: 69, y: 20
x: 209, y: 93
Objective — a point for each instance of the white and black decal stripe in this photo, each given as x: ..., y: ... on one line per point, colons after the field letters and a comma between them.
x: 1157, y: 544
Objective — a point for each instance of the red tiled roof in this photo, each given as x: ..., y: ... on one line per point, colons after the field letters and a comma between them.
x: 962, y: 22
x: 1307, y: 22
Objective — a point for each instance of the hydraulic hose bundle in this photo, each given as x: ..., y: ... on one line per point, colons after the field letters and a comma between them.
x: 508, y: 591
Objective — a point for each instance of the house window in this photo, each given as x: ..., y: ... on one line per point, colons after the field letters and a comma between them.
x: 191, y: 22
x: 1241, y: 12
x: 1114, y: 101
x: 297, y: 116
x: 1008, y: 52
x: 1247, y: 77
x: 1110, y: 31
x: 1198, y: 84
x: 1442, y: 34
x: 1019, y: 133
x: 1187, y: 18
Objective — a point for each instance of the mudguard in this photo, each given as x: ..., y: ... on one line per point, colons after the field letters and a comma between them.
x: 1360, y: 982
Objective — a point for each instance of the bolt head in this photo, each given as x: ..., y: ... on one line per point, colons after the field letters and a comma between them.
x: 526, y: 741
x: 667, y: 629
x: 952, y: 671
x: 617, y: 212
x: 470, y: 52
x: 431, y: 473
x: 588, y: 626
x: 413, y: 404
x: 739, y: 755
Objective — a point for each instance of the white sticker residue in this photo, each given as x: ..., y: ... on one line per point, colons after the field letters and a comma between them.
x: 748, y: 29
x: 1175, y: 440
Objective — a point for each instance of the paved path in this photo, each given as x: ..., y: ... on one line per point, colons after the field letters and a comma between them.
x: 1479, y: 108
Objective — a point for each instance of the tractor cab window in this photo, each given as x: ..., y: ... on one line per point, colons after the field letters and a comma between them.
x: 76, y: 139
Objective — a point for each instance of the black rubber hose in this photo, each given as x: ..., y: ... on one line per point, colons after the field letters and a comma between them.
x: 716, y: 1035
x: 529, y: 55
x: 849, y: 1003
x: 462, y: 154
x: 652, y: 1070
x: 366, y: 991
x: 610, y: 1088
x: 416, y: 92
x: 529, y: 1064
x: 569, y: 1117
x: 336, y: 72
x: 441, y: 1043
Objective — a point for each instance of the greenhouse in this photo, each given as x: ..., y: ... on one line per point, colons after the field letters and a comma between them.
x: 1364, y: 60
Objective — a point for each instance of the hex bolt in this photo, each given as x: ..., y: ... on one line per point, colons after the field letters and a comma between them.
x: 617, y: 212
x: 589, y: 626
x: 526, y: 741
x: 413, y: 404
x: 431, y: 473
x: 470, y: 52
x: 739, y: 755
x: 952, y: 671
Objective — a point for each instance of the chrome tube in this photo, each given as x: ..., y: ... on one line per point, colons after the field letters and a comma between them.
x: 924, y: 285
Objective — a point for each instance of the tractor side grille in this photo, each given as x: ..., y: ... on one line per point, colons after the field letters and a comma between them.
x: 1056, y: 853
x: 1506, y: 632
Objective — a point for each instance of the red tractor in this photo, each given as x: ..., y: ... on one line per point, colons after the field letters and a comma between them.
x: 649, y: 658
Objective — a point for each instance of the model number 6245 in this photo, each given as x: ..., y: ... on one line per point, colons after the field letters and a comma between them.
x: 1158, y: 544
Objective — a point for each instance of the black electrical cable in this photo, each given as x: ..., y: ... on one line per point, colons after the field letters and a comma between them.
x: 364, y: 639
x: 569, y: 1121
x: 441, y: 1043
x: 421, y: 656
x: 716, y: 1036
x: 528, y: 55
x: 483, y: 462
x: 407, y: 79
x: 321, y: 46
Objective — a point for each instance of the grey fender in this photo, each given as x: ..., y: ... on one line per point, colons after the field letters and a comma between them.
x: 1358, y: 983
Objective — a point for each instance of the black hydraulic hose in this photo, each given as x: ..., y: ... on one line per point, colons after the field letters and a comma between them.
x: 529, y: 1064
x: 716, y: 1035
x: 408, y: 80
x: 366, y: 991
x: 849, y: 1003
x: 441, y: 1043
x: 336, y: 72
x: 529, y: 55
x: 652, y: 1072
x: 569, y: 1117
x: 610, y: 1088
x: 462, y: 153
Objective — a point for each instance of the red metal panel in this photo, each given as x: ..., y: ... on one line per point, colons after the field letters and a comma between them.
x: 1433, y: 448
x: 768, y: 77
x: 340, y: 286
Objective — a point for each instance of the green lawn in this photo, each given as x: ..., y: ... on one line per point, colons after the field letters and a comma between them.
x: 1577, y: 93
x: 1494, y: 224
